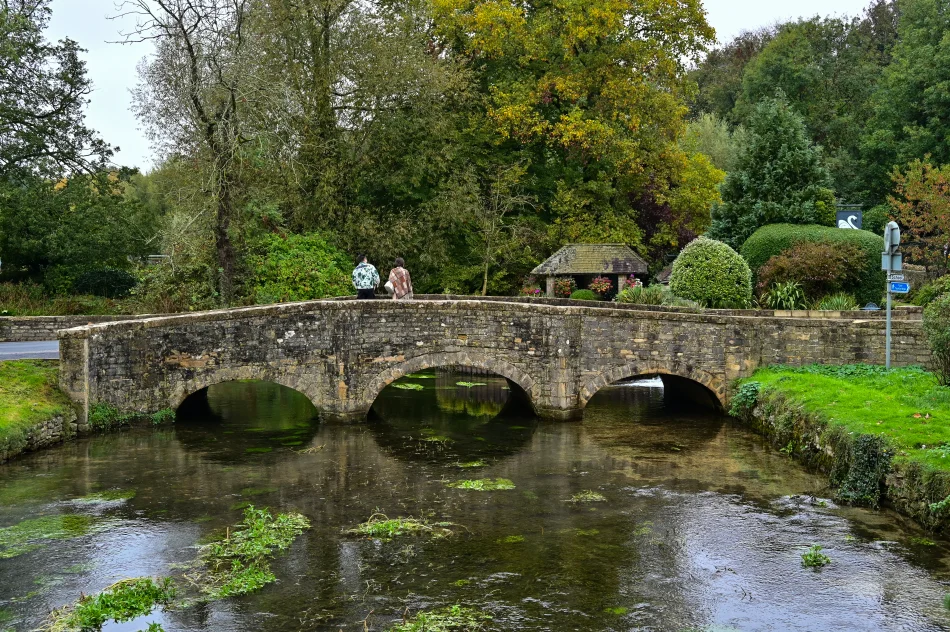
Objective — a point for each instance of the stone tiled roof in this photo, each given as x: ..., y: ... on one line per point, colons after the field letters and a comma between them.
x: 593, y: 259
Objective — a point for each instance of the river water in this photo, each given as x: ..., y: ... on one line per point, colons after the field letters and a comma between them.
x: 702, y: 526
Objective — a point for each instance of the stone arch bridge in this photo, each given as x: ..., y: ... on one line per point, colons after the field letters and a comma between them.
x: 342, y: 353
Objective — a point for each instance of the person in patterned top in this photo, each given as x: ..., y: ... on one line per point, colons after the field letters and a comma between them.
x: 365, y: 278
x: 401, y: 282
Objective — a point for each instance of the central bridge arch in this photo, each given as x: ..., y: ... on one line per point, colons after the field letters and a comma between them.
x: 446, y: 360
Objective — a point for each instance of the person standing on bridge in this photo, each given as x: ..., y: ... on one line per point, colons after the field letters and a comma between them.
x: 365, y: 278
x: 400, y: 281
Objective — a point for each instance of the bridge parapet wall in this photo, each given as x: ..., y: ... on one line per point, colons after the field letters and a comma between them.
x: 342, y: 353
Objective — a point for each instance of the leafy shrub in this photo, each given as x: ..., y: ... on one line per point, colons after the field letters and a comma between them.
x: 585, y: 295
x: 602, y: 285
x: 926, y: 294
x: 639, y: 295
x: 564, y: 287
x: 818, y: 268
x: 299, y: 268
x: 840, y: 302
x: 937, y: 328
x: 784, y: 295
x: 774, y: 239
x: 876, y: 218
x: 745, y: 399
x: 107, y: 282
x: 712, y: 274
x: 186, y: 284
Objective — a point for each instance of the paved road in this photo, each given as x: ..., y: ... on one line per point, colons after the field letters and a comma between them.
x: 46, y: 350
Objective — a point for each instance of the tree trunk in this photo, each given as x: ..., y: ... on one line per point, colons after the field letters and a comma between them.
x: 222, y: 238
x: 485, y: 281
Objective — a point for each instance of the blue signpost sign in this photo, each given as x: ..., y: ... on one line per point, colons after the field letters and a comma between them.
x: 900, y: 288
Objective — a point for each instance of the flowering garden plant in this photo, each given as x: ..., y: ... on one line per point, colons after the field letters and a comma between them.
x: 530, y: 287
x: 631, y: 281
x: 601, y: 285
x: 563, y: 288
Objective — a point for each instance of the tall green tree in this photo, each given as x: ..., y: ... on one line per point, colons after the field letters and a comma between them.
x: 780, y: 178
x: 828, y: 69
x: 43, y: 93
x: 912, y: 107
x: 719, y: 75
x: 588, y: 94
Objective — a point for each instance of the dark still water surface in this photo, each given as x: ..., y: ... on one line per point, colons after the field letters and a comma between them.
x: 702, y: 526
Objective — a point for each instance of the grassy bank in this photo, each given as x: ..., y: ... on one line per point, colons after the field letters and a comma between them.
x: 28, y: 396
x: 878, y: 433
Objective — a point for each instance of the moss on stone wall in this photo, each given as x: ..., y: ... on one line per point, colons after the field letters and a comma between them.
x: 29, y: 399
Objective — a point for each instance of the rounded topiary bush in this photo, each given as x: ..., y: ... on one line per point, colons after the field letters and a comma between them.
x: 585, y: 295
x: 712, y: 274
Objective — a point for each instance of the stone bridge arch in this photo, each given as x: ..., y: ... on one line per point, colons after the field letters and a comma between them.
x: 475, y: 360
x: 307, y: 384
x: 715, y: 385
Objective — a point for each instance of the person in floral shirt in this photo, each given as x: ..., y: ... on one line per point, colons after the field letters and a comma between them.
x: 365, y: 279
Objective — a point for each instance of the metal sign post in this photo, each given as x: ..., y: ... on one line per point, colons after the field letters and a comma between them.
x: 891, y: 262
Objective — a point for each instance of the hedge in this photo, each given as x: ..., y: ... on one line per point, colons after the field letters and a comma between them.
x: 773, y: 239
x: 585, y: 295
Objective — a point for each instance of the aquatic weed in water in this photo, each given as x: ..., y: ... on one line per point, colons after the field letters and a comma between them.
x: 122, y: 601
x: 510, y: 539
x: 588, y: 496
x: 240, y: 562
x: 472, y: 464
x: 452, y: 619
x: 814, y: 558
x: 385, y: 528
x: 470, y: 384
x: 29, y: 535
x: 409, y: 387
x: 483, y: 484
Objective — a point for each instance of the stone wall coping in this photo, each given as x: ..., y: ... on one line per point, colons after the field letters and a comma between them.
x: 539, y: 309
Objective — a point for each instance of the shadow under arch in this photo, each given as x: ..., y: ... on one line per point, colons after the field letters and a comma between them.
x: 447, y: 423
x: 235, y: 420
x: 690, y: 385
x: 306, y: 384
x: 473, y: 360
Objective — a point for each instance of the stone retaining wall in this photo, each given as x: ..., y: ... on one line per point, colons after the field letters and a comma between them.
x: 46, y: 433
x: 905, y: 486
x: 39, y: 328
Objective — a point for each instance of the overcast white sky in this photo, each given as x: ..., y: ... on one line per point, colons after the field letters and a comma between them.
x: 112, y: 66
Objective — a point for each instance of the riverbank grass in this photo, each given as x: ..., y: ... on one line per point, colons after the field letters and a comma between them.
x: 904, y: 406
x: 28, y: 395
